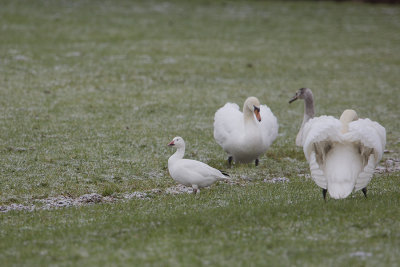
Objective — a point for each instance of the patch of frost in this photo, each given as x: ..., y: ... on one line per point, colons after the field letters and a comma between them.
x: 361, y: 254
x: 277, y: 180
x: 179, y: 189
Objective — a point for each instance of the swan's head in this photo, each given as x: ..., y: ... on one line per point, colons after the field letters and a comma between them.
x: 302, y: 93
x: 347, y: 116
x: 253, y: 105
x: 177, y: 142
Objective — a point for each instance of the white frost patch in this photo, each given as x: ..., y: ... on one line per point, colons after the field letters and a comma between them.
x: 64, y: 201
x: 179, y: 189
x: 58, y: 202
x: 73, y: 54
x: 361, y: 254
x: 290, y: 159
x: 277, y: 180
x: 169, y: 60
x: 307, y: 176
x: 21, y: 58
x: 16, y: 207
x: 391, y: 165
x: 136, y: 194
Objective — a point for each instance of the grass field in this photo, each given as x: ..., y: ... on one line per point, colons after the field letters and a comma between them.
x: 92, y: 91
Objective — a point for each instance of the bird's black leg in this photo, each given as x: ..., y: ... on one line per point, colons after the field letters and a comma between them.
x: 364, y: 190
x: 324, y: 193
x: 230, y: 161
x: 256, y: 162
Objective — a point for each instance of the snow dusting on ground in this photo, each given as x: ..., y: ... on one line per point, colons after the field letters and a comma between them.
x: 389, y: 166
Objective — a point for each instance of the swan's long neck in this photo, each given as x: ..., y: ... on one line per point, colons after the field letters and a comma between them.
x: 248, y: 117
x: 180, y: 152
x: 347, y: 116
x: 308, y: 107
x: 308, y: 114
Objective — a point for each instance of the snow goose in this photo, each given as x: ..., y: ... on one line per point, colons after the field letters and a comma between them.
x: 191, y: 172
x: 343, y: 154
x: 245, y: 136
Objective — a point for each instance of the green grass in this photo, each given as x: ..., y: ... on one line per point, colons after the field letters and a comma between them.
x: 92, y: 91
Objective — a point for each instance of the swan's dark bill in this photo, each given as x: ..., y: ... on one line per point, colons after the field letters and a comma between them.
x: 294, y: 98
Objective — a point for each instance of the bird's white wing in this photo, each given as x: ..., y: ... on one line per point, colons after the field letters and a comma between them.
x: 269, y: 125
x: 228, y: 122
x: 316, y: 172
x: 317, y: 132
x: 370, y: 134
x: 371, y: 137
x: 366, y: 175
x: 200, y: 168
x: 318, y: 135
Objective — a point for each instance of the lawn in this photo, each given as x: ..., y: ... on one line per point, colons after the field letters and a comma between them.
x: 91, y: 92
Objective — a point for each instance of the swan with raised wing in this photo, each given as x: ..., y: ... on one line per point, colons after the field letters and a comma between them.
x: 342, y: 154
x: 245, y: 136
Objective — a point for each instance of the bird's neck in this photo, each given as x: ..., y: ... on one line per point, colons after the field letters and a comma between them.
x: 248, y: 117
x: 180, y: 152
x: 308, y: 108
x: 308, y: 114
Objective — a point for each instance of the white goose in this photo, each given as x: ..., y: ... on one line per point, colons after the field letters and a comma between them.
x: 342, y: 154
x: 191, y: 172
x: 245, y: 136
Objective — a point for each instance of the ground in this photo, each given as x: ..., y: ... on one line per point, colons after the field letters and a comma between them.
x: 93, y: 91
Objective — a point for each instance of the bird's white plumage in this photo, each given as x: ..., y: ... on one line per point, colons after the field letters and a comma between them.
x: 191, y: 172
x: 244, y: 141
x: 341, y: 162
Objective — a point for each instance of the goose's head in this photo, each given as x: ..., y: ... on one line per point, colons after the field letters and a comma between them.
x: 177, y: 142
x: 253, y: 105
x: 347, y: 116
x: 302, y: 93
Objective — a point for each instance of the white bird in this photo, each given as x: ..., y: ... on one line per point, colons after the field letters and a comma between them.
x: 191, y: 172
x: 245, y: 136
x: 342, y: 154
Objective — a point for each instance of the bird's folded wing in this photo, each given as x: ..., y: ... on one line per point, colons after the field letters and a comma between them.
x: 199, y: 168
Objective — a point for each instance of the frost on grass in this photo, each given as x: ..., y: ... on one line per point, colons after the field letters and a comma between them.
x: 391, y: 165
x: 58, y: 202
x: 277, y: 180
x: 136, y: 194
x: 361, y: 254
x: 179, y: 189
x: 307, y: 176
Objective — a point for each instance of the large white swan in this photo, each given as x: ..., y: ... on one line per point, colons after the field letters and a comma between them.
x: 342, y: 154
x: 191, y: 172
x: 245, y: 136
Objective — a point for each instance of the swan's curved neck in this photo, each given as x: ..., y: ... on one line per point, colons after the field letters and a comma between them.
x: 248, y: 116
x: 308, y: 107
x: 308, y: 114
x: 180, y: 152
